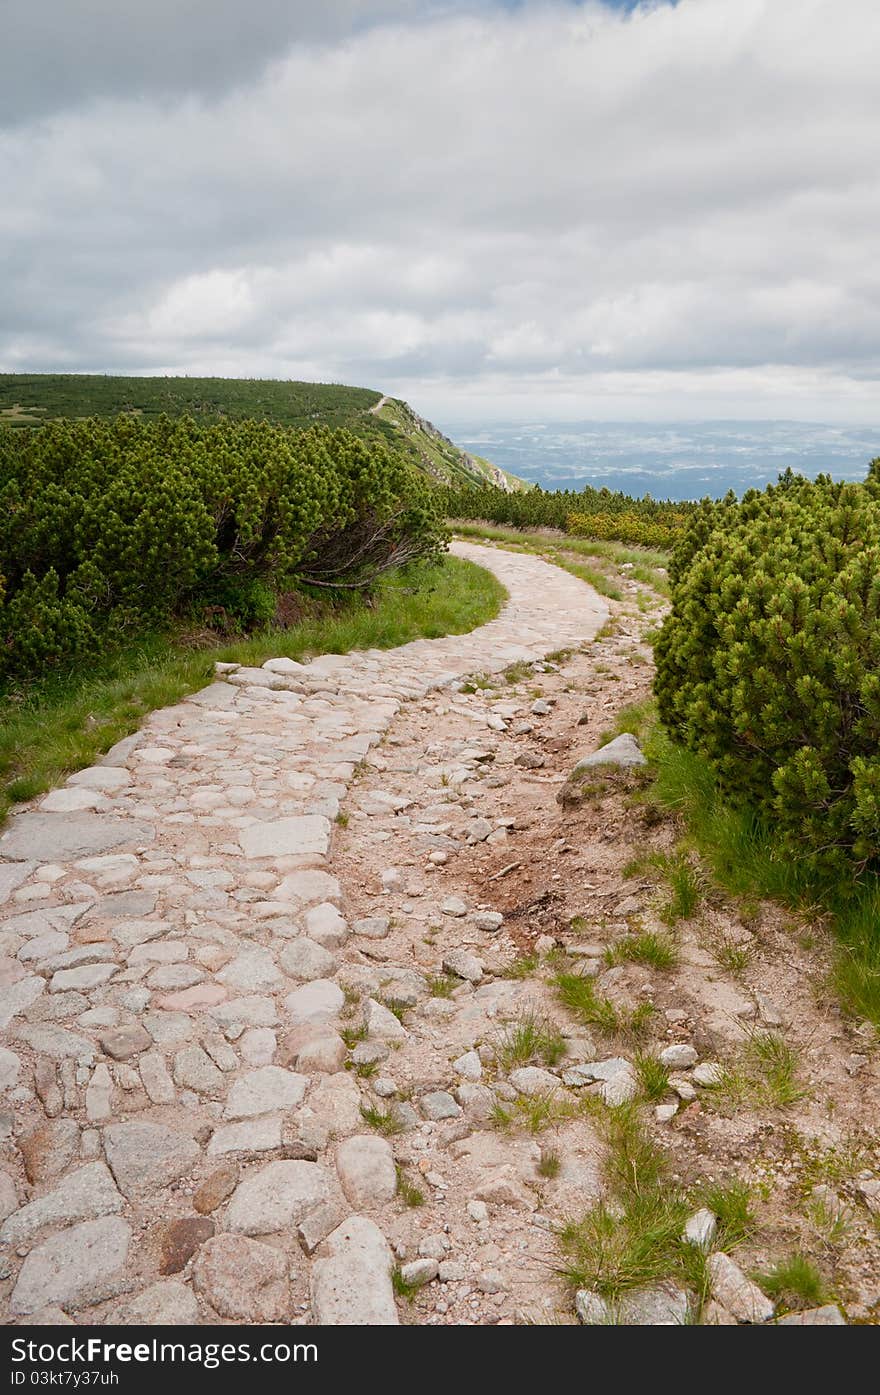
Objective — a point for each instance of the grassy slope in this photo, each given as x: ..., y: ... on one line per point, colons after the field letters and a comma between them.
x: 27, y: 399
x: 67, y: 723
x: 436, y: 454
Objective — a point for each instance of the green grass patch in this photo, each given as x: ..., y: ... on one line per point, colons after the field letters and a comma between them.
x: 64, y: 724
x: 593, y: 1009
x: 646, y: 947
x: 633, y: 1237
x: 531, y: 1038
x: 403, y: 1288
x: 535, y: 1113
x: 653, y: 1075
x: 731, y: 1204
x: 549, y: 1163
x: 765, y: 1073
x: 743, y: 856
x: 409, y: 1193
x: 795, y: 1282
x: 381, y: 1120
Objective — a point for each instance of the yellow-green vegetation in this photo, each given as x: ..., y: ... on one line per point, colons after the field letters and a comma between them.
x: 652, y: 1075
x: 661, y: 529
x: 382, y: 1120
x: 409, y: 1193
x: 549, y: 1163
x: 63, y: 724
x: 600, y: 513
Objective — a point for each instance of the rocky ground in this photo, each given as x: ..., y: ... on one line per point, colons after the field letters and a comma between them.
x: 273, y: 969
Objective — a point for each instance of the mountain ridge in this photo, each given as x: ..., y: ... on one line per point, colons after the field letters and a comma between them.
x: 27, y: 399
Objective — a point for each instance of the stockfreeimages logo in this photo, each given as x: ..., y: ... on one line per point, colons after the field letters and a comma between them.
x: 96, y: 1351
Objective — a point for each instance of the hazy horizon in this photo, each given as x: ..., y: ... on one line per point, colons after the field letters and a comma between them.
x: 670, y: 460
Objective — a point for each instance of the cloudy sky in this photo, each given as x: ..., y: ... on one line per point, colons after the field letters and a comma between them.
x: 497, y: 210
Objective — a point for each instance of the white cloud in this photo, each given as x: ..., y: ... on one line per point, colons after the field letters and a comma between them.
x: 552, y: 209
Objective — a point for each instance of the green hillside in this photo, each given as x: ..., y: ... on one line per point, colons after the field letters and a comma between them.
x: 27, y: 399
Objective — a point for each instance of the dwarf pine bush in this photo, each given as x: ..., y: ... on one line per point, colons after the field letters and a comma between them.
x: 108, y: 527
x: 769, y: 662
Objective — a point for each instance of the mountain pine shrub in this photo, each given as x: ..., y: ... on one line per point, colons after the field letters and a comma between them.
x: 769, y: 661
x: 108, y: 527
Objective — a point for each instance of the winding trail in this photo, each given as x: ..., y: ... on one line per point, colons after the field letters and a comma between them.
x: 181, y: 991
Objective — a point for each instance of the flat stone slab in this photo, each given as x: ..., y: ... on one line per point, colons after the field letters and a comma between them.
x: 74, y: 1268
x: 265, y: 1090
x: 243, y: 1279
x: 82, y: 1195
x: 62, y: 837
x: 303, y: 834
x: 277, y: 1197
x: 144, y: 1157
x: 351, y: 1283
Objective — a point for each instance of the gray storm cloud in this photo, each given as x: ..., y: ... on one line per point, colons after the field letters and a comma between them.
x: 570, y: 206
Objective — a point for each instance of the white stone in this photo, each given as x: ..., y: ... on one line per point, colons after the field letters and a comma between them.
x: 708, y: 1074
x: 155, y: 1077
x: 82, y: 1195
x: 326, y: 926
x: 167, y: 1303
x: 101, y: 777
x: 258, y: 1046
x: 259, y: 1135
x: 381, y: 1022
x: 10, y: 1068
x: 80, y: 1265
x: 533, y: 1080
x: 318, y: 1001
x: 252, y: 971
x: 700, y: 1229
x: 469, y: 1066
x: 194, y: 1070
x: 304, y: 834
x: 735, y: 1292
x: 276, y: 1197
x: 623, y: 751
x: 463, y: 965
x: 67, y: 801
x: 679, y: 1057
x: 308, y: 887
x: 365, y: 1164
x: 351, y: 1283
x: 18, y: 996
x: 144, y: 1157
x: 99, y: 1095
x: 263, y: 1091
x: 305, y: 959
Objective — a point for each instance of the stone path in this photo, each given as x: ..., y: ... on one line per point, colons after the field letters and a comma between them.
x: 182, y: 987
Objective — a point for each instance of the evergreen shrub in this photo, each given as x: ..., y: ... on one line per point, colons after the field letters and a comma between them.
x: 110, y: 527
x: 769, y: 661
